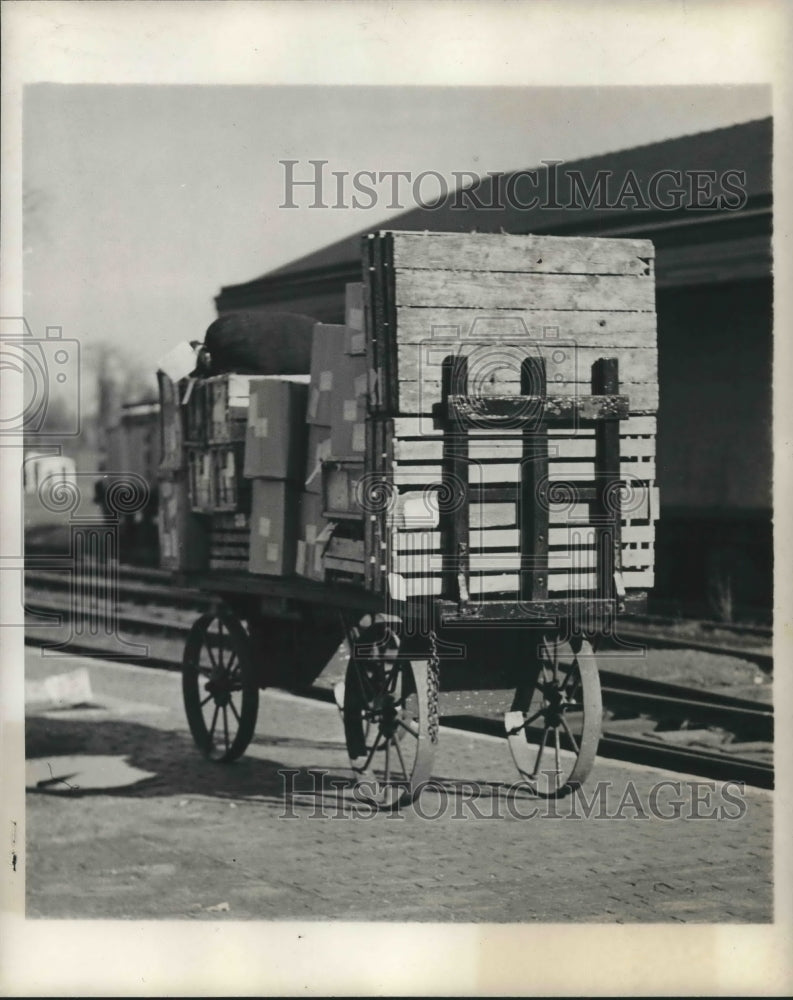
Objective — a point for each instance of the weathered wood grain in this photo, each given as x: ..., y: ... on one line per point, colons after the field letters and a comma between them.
x: 421, y: 473
x: 539, y: 254
x: 600, y: 328
x: 508, y: 583
x: 507, y: 290
x: 431, y: 449
x: 419, y: 561
x: 420, y: 397
x: 562, y: 536
x: 423, y: 427
x: 490, y: 365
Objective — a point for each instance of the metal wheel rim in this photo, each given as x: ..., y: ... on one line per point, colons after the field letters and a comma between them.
x: 553, y: 728
x: 390, y: 724
x: 221, y: 695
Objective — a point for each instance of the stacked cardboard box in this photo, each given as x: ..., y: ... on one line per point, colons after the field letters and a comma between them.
x: 327, y: 347
x: 270, y: 465
x: 275, y: 461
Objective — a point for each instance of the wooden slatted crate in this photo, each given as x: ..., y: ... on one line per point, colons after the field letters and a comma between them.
x: 497, y: 300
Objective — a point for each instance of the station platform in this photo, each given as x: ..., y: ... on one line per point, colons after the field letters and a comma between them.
x: 126, y: 820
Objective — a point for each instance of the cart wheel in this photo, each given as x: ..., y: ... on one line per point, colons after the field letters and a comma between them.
x: 220, y: 691
x: 390, y: 718
x: 553, y: 728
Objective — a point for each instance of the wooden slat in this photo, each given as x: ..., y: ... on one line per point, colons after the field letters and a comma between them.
x: 454, y: 520
x: 425, y: 563
x: 413, y: 427
x: 605, y: 379
x: 491, y: 365
x: 504, y: 290
x: 410, y: 473
x: 430, y: 586
x: 509, y: 449
x: 533, y: 508
x: 509, y: 538
x: 600, y: 328
x: 533, y: 254
x: 420, y: 397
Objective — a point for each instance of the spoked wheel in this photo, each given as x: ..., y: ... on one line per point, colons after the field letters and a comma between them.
x: 390, y: 713
x: 220, y: 691
x: 554, y: 726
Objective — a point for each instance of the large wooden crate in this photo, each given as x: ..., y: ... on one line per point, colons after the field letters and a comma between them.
x: 497, y: 300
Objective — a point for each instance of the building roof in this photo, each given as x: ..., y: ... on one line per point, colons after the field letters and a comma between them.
x: 694, y: 245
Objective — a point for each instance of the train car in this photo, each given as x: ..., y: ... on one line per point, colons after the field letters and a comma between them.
x: 133, y: 446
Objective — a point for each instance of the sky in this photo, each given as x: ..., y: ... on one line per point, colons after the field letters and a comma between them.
x: 141, y: 201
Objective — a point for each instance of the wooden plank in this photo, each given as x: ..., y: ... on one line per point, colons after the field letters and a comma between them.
x: 509, y: 538
x: 492, y: 515
x: 438, y: 325
x: 505, y: 290
x: 389, y: 393
x: 509, y: 449
x: 371, y: 575
x: 454, y: 521
x: 605, y: 379
x: 537, y: 254
x: 491, y: 365
x: 408, y: 474
x: 422, y: 562
x: 414, y: 427
x: 558, y: 583
x: 376, y: 336
x: 533, y: 508
x: 503, y: 514
x: 421, y: 397
x: 523, y: 409
x: 506, y: 612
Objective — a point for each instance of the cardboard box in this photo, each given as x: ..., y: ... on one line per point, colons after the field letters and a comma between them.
x: 327, y: 348
x: 317, y: 452
x: 184, y: 544
x: 276, y: 435
x: 312, y: 523
x: 309, y: 562
x: 355, y: 318
x: 341, y: 493
x: 314, y: 533
x: 274, y: 527
x: 348, y: 407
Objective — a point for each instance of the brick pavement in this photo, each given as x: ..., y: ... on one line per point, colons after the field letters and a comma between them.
x: 195, y: 835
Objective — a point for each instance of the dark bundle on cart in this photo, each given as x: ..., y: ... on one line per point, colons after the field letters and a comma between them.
x: 463, y: 475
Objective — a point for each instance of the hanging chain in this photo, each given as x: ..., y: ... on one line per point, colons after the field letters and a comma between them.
x: 433, y: 686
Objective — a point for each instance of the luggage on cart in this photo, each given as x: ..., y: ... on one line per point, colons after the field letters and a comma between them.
x: 492, y: 513
x: 259, y: 343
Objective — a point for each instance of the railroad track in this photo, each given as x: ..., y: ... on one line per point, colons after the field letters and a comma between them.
x: 645, y: 721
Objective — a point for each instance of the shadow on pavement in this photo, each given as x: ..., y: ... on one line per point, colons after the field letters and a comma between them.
x: 177, y: 768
